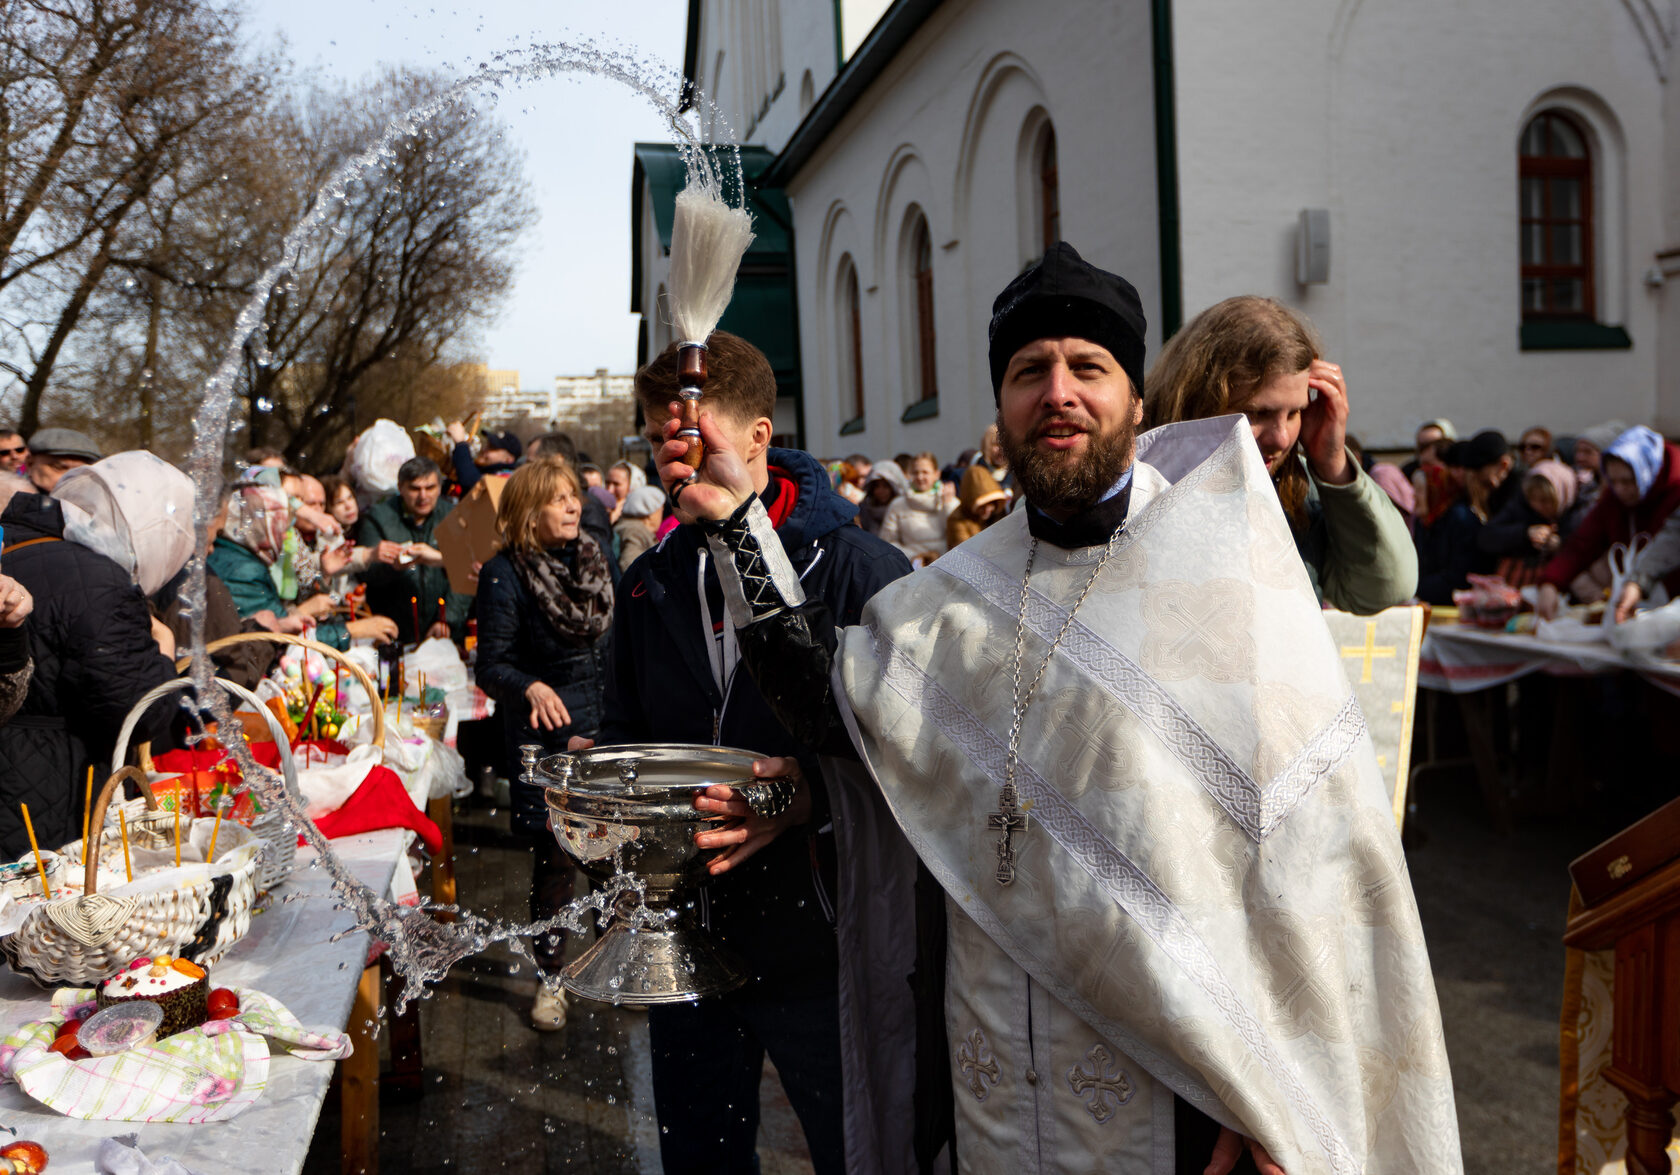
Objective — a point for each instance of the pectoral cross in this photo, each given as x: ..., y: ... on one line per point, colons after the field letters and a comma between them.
x: 1006, y: 821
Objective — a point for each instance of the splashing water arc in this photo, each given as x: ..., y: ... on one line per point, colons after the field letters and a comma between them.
x: 422, y: 949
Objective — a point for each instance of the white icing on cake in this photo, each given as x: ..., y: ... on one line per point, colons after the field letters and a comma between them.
x: 140, y: 982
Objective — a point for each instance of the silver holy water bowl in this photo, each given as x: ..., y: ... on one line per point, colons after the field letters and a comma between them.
x: 630, y: 810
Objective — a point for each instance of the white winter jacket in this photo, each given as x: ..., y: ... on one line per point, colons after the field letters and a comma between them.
x: 915, y: 522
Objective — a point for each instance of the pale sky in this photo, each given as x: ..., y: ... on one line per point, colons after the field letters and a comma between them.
x: 568, y: 313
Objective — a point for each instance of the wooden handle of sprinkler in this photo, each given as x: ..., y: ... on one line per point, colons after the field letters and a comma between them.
x: 691, y: 370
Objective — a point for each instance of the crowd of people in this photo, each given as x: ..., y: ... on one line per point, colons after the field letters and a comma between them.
x: 602, y: 618
x: 1544, y: 513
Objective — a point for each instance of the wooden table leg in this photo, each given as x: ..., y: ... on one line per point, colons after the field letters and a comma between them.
x: 442, y: 812
x: 359, y: 1080
x: 1481, y: 711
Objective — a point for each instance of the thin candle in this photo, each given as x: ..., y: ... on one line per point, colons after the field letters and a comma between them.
x: 443, y: 613
x: 177, y: 829
x: 40, y: 865
x: 215, y: 831
x: 87, y: 811
x: 414, y: 608
x: 122, y: 823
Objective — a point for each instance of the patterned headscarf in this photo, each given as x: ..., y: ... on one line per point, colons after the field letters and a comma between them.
x: 1642, y: 450
x: 258, y: 516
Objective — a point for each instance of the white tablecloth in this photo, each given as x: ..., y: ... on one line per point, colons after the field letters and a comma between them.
x: 288, y: 953
x: 1461, y: 659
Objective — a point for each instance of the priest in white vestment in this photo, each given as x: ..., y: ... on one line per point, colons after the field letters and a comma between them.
x: 1115, y: 729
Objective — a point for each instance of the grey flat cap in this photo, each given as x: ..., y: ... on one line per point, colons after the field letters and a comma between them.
x: 64, y: 442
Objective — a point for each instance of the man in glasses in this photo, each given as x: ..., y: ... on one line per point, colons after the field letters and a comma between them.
x: 13, y: 452
x: 1535, y: 446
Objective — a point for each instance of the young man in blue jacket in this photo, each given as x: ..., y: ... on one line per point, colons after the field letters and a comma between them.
x: 674, y: 676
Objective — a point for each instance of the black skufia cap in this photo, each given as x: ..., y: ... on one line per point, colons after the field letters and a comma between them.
x: 1064, y: 296
x: 1484, y: 448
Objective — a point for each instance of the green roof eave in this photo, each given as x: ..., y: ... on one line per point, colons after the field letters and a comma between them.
x: 658, y: 170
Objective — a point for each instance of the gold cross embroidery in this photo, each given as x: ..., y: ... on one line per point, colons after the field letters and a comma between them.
x: 1369, y: 650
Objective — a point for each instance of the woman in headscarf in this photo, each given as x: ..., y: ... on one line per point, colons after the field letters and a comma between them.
x: 253, y: 537
x: 886, y: 482
x: 1640, y: 473
x: 545, y: 602
x: 1399, y: 490
x: 1531, y: 527
x: 623, y: 479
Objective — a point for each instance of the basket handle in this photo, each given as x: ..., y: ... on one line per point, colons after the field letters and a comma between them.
x: 286, y: 638
x: 288, y: 765
x: 90, y: 867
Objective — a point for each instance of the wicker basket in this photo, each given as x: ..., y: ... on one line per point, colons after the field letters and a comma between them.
x: 84, y: 940
x: 278, y: 833
x: 280, y: 841
x: 279, y: 844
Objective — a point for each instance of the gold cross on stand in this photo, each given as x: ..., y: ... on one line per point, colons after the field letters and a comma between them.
x: 1006, y: 821
x: 1368, y: 650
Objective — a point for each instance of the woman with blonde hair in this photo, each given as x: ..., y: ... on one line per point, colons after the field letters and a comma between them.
x: 1256, y: 356
x: 915, y: 521
x: 545, y: 602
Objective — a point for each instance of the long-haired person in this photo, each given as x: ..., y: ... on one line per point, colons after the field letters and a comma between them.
x: 1258, y: 357
x: 545, y: 601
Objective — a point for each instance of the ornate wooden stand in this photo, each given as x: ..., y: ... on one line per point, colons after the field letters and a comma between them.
x: 1642, y: 923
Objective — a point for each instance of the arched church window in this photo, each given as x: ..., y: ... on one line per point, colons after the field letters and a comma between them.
x: 1556, y: 214
x: 850, y: 326
x: 1049, y: 190
x: 921, y: 256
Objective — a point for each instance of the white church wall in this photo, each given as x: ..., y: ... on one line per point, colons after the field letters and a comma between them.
x: 767, y: 47
x: 1667, y: 264
x: 942, y: 130
x: 1402, y: 118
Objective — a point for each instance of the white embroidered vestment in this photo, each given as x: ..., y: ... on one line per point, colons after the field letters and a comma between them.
x: 1210, y: 896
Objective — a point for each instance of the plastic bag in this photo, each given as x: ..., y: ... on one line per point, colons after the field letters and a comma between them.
x: 439, y: 661
x: 1648, y: 630
x: 375, y: 456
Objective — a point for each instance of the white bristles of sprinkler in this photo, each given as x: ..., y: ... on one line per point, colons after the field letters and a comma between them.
x: 708, y: 240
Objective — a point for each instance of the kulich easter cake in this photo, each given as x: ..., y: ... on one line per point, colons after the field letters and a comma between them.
x: 181, y: 988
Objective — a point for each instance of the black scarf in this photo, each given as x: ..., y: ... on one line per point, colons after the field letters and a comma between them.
x: 572, y: 585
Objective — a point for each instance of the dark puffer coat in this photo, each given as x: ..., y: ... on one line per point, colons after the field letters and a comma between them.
x: 91, y: 638
x: 516, y: 646
x: 776, y: 909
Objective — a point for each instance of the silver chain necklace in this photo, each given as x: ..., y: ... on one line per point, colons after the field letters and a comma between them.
x: 1009, y: 819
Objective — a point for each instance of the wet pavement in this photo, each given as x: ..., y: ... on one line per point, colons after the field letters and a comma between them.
x: 496, y: 1095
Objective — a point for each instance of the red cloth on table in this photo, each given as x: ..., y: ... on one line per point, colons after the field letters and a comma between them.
x: 381, y: 802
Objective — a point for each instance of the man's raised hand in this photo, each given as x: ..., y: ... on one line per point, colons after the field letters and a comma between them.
x: 723, y: 481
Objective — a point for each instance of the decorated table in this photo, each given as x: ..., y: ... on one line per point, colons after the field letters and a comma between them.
x: 1467, y: 662
x: 288, y: 953
x: 1461, y: 658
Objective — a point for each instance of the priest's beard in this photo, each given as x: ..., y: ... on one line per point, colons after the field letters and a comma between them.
x: 1068, y: 481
